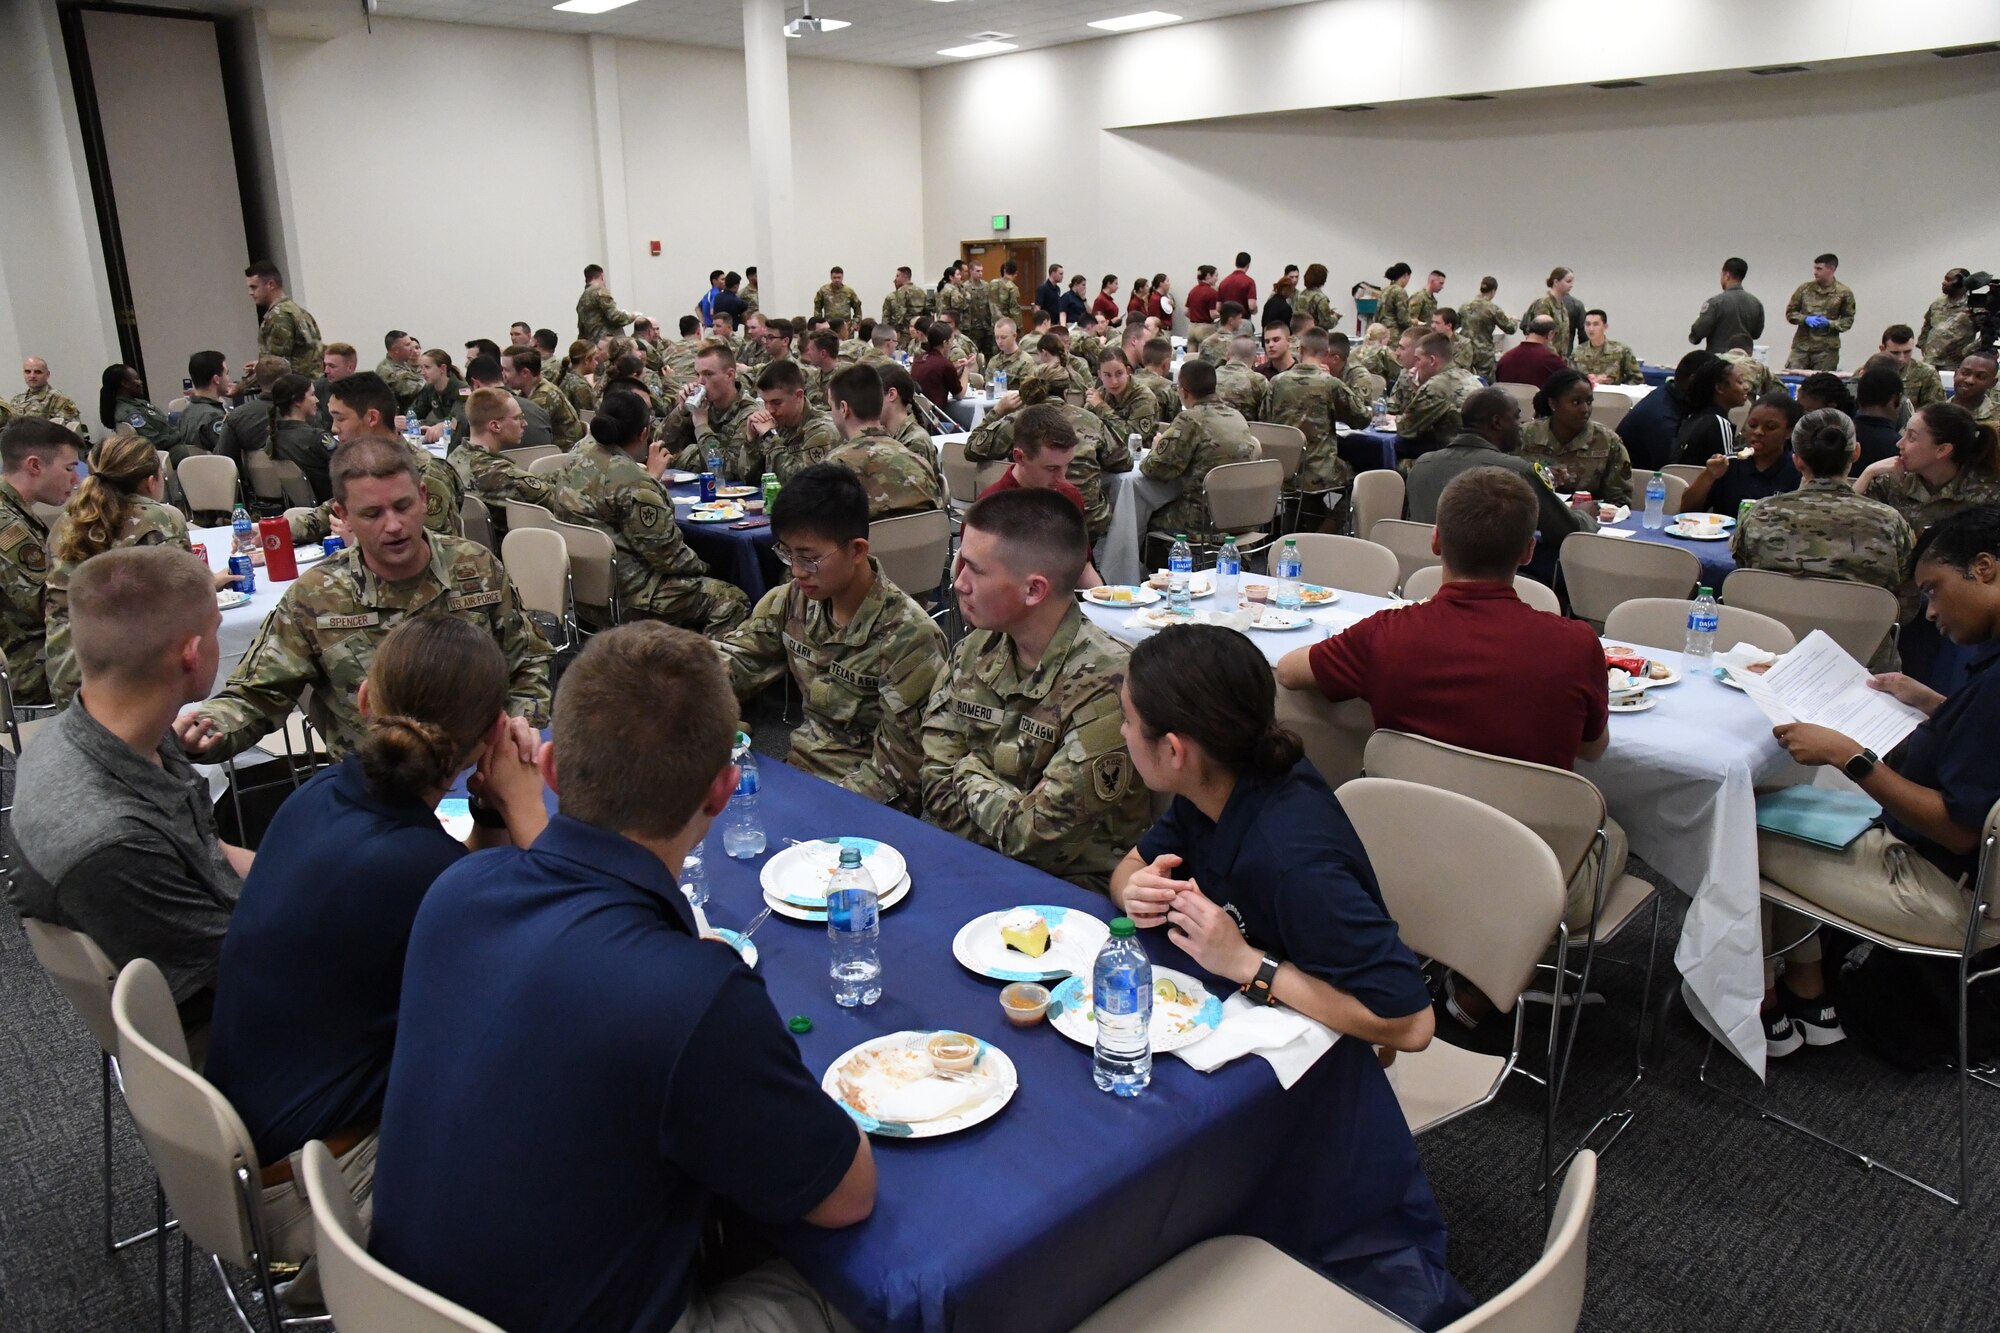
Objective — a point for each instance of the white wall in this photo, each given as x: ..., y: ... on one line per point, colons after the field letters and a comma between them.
x: 1644, y: 192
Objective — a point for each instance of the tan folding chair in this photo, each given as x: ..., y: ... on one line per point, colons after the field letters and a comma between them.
x: 912, y: 549
x: 1687, y: 472
x: 965, y: 479
x: 547, y: 463
x: 537, y: 560
x: 177, y: 405
x: 1985, y: 888
x: 1243, y: 501
x: 523, y: 457
x: 1348, y: 563
x: 521, y: 514
x: 1216, y: 1283
x: 85, y: 976
x: 1377, y: 494
x: 1738, y: 415
x: 1676, y: 488
x: 1608, y: 409
x: 1422, y: 585
x: 261, y: 470
x: 209, y: 481
x: 1074, y: 397
x: 1857, y: 616
x: 1287, y: 444
x: 477, y: 522
x: 1333, y: 734
x: 1481, y: 893
x: 1600, y: 572
x: 1524, y: 394
x: 593, y: 572
x: 362, y: 1292
x: 207, y: 1165
x: 292, y: 480
x: 1411, y: 542
x: 1661, y: 622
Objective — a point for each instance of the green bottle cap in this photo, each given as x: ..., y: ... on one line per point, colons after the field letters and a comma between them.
x: 850, y: 858
x: 800, y: 1023
x: 1705, y: 592
x: 1122, y: 928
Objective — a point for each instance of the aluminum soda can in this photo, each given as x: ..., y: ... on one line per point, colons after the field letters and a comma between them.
x: 246, y: 573
x: 332, y: 545
x: 707, y: 487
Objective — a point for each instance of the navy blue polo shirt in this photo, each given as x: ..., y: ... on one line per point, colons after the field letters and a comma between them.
x: 1743, y: 481
x: 1956, y: 751
x: 312, y: 967
x: 1287, y: 864
x: 577, y: 1080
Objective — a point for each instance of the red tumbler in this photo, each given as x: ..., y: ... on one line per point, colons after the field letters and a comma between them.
x: 280, y: 565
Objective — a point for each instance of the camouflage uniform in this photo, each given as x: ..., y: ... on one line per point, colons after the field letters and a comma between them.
x: 1819, y: 349
x: 1431, y: 419
x: 1005, y: 299
x: 403, y: 380
x: 1315, y: 302
x: 1379, y: 359
x: 323, y: 633
x: 840, y: 302
x: 1307, y: 397
x: 1402, y: 394
x: 538, y: 433
x: 864, y: 684
x: 199, y: 430
x: 1135, y: 412
x: 1365, y: 383
x: 49, y: 406
x: 146, y: 523
x: 552, y: 370
x: 659, y: 577
x: 1242, y: 388
x: 1987, y: 409
x: 1947, y: 334
x: 431, y: 406
x: 1477, y: 321
x: 565, y: 427
x: 1823, y: 529
x: 444, y: 502
x: 913, y: 437
x: 728, y: 426
x: 24, y: 569
x: 1564, y: 337
x: 896, y: 479
x: 1214, y: 348
x: 677, y: 357
x: 140, y: 417
x: 1595, y: 460
x: 788, y: 452
x: 1165, y: 395
x: 1756, y: 376
x: 598, y: 316
x: 1031, y: 762
x: 977, y: 323
x: 1087, y: 348
x: 1921, y: 386
x: 1921, y: 507
x: 902, y: 305
x: 1097, y: 452
x: 1204, y: 436
x: 952, y: 297
x: 1614, y: 361
x: 495, y: 480
x: 581, y: 394
x: 288, y: 331
x: 1423, y: 305
x: 1392, y: 310
x: 1016, y: 365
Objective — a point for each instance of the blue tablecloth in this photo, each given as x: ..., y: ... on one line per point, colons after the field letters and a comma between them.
x: 1367, y: 450
x: 1717, y: 563
x: 1656, y: 375
x: 1037, y: 1217
x: 741, y: 556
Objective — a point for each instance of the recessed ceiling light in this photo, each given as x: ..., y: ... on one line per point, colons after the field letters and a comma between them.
x: 1152, y: 18
x: 591, y: 6
x: 975, y: 49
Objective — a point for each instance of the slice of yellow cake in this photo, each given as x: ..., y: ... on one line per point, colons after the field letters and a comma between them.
x: 1025, y: 931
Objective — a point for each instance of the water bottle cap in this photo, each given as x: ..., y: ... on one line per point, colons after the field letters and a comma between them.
x: 800, y: 1024
x: 1705, y: 592
x: 1231, y: 541
x: 850, y: 858
x: 1180, y: 536
x: 1122, y: 928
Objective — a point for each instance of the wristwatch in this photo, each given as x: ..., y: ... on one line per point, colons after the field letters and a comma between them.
x: 1860, y: 766
x: 484, y: 815
x: 1258, y: 988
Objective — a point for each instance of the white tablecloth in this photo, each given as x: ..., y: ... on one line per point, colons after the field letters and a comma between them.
x: 1123, y: 625
x: 1133, y: 498
x: 241, y: 623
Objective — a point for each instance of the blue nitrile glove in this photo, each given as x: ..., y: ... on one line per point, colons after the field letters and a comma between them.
x: 1815, y: 321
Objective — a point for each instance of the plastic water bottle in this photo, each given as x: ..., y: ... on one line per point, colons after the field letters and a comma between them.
x: 694, y: 879
x: 1381, y: 414
x: 742, y: 831
x: 1121, y: 991
x: 999, y: 383
x: 1656, y: 503
x: 1228, y: 574
x: 413, y: 432
x: 712, y: 457
x: 243, y: 535
x: 1285, y: 588
x: 1699, y: 651
x: 444, y: 432
x: 1180, y: 575
x: 854, y: 932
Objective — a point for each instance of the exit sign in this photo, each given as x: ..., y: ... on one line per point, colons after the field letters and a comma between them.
x: 1001, y: 221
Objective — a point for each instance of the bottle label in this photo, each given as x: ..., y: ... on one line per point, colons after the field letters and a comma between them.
x: 1121, y: 997
x: 746, y: 782
x: 1703, y: 622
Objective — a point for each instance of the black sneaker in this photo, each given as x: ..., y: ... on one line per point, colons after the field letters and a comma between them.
x: 1781, y: 1038
x: 1815, y: 1020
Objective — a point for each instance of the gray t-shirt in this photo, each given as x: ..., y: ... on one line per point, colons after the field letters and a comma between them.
x: 1430, y: 474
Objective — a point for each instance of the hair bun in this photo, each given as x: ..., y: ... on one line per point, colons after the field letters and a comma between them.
x: 1278, y: 749
x: 405, y: 757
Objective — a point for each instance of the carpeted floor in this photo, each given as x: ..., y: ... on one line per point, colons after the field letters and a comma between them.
x: 1706, y: 1219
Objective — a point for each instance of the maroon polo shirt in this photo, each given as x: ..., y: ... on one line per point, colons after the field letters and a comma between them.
x: 1201, y: 303
x: 1239, y: 287
x: 1477, y: 667
x: 1530, y: 363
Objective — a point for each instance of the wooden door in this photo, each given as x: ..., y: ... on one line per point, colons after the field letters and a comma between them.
x: 1027, y: 251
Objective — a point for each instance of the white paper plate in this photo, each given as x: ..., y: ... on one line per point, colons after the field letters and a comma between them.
x: 1200, y: 584
x: 736, y: 492
x: 746, y: 948
x: 735, y: 513
x: 1271, y: 618
x: 1641, y: 684
x: 1140, y: 596
x: 990, y: 1061
x: 308, y: 555
x: 228, y: 598
x: 1676, y: 530
x: 455, y: 814
x: 1074, y: 939
x: 1637, y: 703
x: 682, y: 477
x: 1174, y: 1025
x: 798, y: 874
x: 817, y: 915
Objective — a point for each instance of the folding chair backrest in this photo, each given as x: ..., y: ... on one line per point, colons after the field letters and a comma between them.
x: 1333, y: 733
x: 1287, y: 444
x: 961, y: 475
x: 1601, y: 572
x: 1467, y: 885
x: 1548, y: 1298
x: 81, y: 972
x: 912, y: 548
x: 537, y: 560
x: 1377, y: 494
x: 541, y: 467
x: 1687, y: 472
x: 1661, y: 622
x: 1347, y: 562
x: 1676, y: 487
x: 521, y: 514
x: 1423, y: 584
x: 1854, y: 615
x: 1524, y: 394
x: 1410, y: 541
x: 1244, y: 496
x: 592, y: 557
x: 262, y: 471
x: 521, y: 458
x: 477, y: 521
x: 1609, y: 410
x: 209, y: 482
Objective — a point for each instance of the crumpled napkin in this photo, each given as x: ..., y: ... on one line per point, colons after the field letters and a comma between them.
x: 1287, y: 1040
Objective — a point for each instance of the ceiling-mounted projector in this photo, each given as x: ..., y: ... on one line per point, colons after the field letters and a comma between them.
x: 804, y: 24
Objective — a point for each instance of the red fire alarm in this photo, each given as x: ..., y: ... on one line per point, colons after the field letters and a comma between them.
x: 656, y: 248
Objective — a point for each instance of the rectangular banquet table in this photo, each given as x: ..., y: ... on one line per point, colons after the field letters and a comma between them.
x: 1035, y: 1218
x: 239, y: 623
x: 1717, y: 563
x: 741, y: 556
x: 1367, y: 450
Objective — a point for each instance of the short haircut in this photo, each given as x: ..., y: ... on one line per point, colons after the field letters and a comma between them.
x: 1232, y: 311
x: 1830, y: 259
x: 365, y: 390
x: 882, y: 335
x: 37, y: 437
x: 524, y: 358
x: 777, y: 326
x: 1435, y: 344
x: 1899, y: 333
x: 373, y: 456
x: 714, y: 274
x: 1243, y: 259
x: 1483, y: 406
x: 731, y: 281
x: 592, y: 272
x: 1009, y: 269
x: 1736, y: 268
x: 644, y: 722
x: 860, y: 388
x: 265, y: 270
x: 1599, y: 313
x: 783, y: 376
x: 837, y: 269
x: 1338, y: 342
x: 523, y: 325
x: 688, y: 325
x: 484, y: 368
x: 547, y: 341
x: 1828, y: 390
x: 1959, y: 539
x: 1822, y: 440
x: 487, y: 406
x: 1542, y: 326
x: 1040, y: 532
x: 720, y: 351
x: 1485, y: 520
x: 485, y: 347
x: 131, y: 605
x: 205, y: 366
x: 1448, y: 315
x: 1880, y: 385
x: 345, y: 351
x: 1043, y: 426
x: 394, y: 336
x: 1157, y: 351
x: 905, y: 270
x: 621, y: 418
x: 1054, y: 269
x: 1198, y: 378
x: 1437, y: 273
x: 825, y: 500
x: 826, y: 340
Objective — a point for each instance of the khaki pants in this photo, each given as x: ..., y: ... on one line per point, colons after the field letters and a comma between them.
x: 288, y: 1230
x: 1878, y: 881
x: 1198, y: 334
x: 771, y: 1298
x: 1583, y: 888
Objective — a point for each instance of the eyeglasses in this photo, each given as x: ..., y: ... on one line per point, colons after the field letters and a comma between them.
x: 804, y: 564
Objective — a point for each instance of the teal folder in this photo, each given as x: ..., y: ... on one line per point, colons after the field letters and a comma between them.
x: 1818, y: 815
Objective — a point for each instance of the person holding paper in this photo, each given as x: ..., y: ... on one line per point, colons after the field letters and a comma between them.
x: 1909, y: 876
x: 1254, y: 869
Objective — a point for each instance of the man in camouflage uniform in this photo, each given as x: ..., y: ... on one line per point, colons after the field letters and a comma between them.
x: 39, y: 400
x: 1757, y: 377
x: 1098, y: 451
x: 1392, y: 307
x: 286, y: 330
x: 597, y: 315
x: 1821, y: 310
x: 497, y: 422
x: 1405, y: 388
x: 1156, y: 376
x: 606, y: 486
x: 363, y: 406
x: 896, y: 480
x: 1207, y: 433
x: 1478, y: 321
x: 1089, y: 343
x: 786, y: 434
x: 1555, y: 304
x: 863, y: 654
x: 1311, y: 397
x: 200, y: 425
x: 1431, y: 419
x: 1008, y: 357
x: 1214, y: 348
x: 721, y: 419
x: 521, y: 371
x: 398, y: 367
x: 323, y: 633
x: 37, y: 466
x: 960, y: 351
x: 977, y: 322
x: 904, y: 302
x: 1921, y: 386
x: 1125, y: 406
x: 1948, y: 332
x: 1237, y: 381
x: 836, y: 300
x: 1606, y: 361
x: 1022, y: 744
x: 1972, y: 387
x: 1424, y: 305
x: 1377, y: 355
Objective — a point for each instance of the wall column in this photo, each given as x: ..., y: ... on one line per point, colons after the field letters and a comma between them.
x: 774, y: 234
